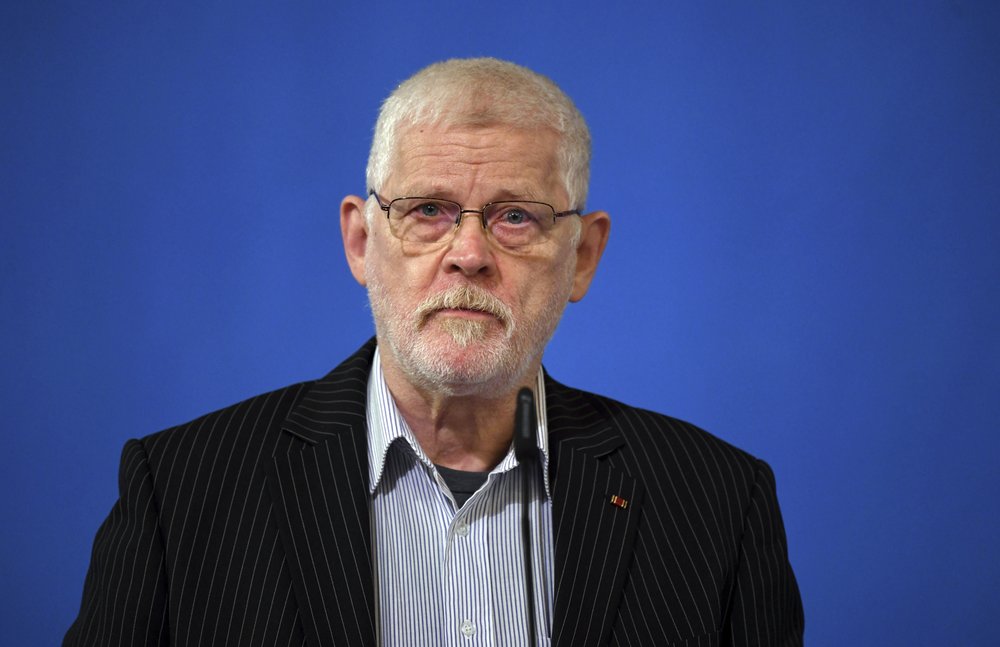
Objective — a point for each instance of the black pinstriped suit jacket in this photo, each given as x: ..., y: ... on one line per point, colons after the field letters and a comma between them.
x: 250, y: 526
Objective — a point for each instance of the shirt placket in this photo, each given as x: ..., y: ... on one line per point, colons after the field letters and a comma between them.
x: 466, y: 582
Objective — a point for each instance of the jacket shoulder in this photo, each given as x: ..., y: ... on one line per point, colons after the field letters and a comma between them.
x: 246, y: 426
x: 233, y: 442
x: 651, y: 438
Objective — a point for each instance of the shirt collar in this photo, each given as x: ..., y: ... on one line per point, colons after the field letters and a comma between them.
x: 386, y: 425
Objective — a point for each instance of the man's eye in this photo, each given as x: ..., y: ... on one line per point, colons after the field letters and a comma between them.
x: 428, y: 210
x: 516, y: 217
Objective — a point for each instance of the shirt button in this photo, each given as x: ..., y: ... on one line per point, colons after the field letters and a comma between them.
x: 462, y: 529
x: 468, y: 629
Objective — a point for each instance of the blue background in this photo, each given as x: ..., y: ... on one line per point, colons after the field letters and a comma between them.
x: 804, y: 258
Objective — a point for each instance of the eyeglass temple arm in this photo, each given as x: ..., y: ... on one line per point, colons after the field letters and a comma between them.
x: 378, y: 200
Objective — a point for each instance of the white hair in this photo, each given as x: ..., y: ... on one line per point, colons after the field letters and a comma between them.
x: 484, y: 92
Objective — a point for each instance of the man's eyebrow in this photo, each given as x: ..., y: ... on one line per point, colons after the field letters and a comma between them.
x: 447, y: 194
x: 522, y: 194
x: 424, y: 192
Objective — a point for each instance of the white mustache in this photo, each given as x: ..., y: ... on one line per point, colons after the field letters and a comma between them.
x: 466, y: 297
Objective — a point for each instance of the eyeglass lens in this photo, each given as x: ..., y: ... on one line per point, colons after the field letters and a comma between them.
x: 511, y: 224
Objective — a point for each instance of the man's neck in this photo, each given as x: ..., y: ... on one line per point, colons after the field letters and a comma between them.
x: 471, y: 431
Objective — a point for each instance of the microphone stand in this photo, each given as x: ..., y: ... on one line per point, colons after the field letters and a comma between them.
x: 526, y: 452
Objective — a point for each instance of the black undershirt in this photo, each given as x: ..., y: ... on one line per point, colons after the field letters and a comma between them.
x: 461, y: 483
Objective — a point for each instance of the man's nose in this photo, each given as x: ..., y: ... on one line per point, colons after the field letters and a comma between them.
x: 470, y: 250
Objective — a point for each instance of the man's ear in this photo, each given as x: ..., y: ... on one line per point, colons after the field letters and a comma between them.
x: 594, y: 233
x: 354, y: 230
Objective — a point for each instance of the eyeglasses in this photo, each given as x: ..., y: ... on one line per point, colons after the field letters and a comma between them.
x: 511, y: 223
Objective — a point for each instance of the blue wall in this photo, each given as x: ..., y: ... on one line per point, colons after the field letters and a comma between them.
x: 804, y: 259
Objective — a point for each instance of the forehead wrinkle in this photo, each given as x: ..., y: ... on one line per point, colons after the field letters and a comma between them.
x: 450, y: 164
x: 452, y: 179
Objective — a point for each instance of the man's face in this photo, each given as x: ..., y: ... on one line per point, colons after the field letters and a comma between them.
x: 467, y: 316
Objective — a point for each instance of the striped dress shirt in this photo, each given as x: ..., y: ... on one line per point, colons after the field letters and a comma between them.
x: 447, y: 575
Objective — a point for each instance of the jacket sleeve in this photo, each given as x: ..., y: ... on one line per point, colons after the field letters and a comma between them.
x: 125, y: 593
x: 766, y: 608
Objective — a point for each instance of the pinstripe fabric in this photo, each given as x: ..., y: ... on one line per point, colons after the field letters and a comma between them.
x: 189, y: 554
x: 448, y: 577
x: 697, y: 558
x: 251, y: 526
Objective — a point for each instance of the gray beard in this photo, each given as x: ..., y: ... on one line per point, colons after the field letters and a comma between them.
x: 499, y: 362
x: 463, y: 332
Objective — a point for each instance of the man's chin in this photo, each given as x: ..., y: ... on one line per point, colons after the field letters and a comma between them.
x: 463, y: 362
x: 464, y: 333
x: 465, y: 351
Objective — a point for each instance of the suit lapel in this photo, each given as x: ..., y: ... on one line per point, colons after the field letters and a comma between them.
x: 319, y: 482
x: 594, y: 534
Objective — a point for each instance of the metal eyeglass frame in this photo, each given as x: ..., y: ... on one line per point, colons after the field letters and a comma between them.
x: 461, y: 211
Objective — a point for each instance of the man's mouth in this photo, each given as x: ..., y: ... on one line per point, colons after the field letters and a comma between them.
x: 468, y: 303
x: 459, y: 311
x: 472, y: 313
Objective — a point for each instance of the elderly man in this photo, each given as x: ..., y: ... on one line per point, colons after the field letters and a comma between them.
x: 383, y: 503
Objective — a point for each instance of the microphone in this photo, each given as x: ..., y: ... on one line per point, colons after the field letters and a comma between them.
x: 525, y: 427
x: 526, y: 452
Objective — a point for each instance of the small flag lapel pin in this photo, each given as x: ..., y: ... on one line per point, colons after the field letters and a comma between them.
x: 618, y: 501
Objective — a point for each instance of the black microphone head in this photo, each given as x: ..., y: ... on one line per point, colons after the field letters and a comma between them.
x: 525, y: 426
